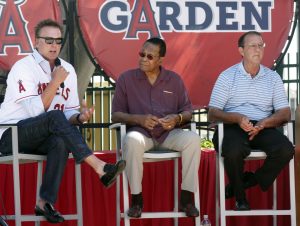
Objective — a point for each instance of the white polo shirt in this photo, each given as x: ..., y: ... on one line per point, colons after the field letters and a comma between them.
x: 26, y: 81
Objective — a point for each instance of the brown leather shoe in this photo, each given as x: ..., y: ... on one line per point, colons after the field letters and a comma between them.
x: 135, y: 211
x: 190, y: 210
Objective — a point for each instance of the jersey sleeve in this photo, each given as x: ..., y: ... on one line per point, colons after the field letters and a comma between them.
x: 21, y: 83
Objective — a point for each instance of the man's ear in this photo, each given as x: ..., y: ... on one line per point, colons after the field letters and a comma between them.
x: 161, y: 60
x: 241, y: 50
x: 36, y: 42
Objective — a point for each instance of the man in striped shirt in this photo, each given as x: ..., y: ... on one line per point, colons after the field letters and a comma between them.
x: 251, y: 102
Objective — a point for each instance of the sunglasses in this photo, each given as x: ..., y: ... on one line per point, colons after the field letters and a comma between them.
x: 149, y: 56
x: 49, y: 40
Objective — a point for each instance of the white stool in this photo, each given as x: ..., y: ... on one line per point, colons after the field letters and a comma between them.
x: 18, y: 158
x: 255, y: 155
x: 152, y: 155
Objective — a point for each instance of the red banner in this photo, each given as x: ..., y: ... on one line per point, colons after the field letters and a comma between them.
x: 17, y: 21
x: 201, y: 36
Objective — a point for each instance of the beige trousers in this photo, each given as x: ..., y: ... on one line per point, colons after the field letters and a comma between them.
x: 187, y: 142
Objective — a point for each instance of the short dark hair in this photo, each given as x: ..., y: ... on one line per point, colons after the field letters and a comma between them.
x: 159, y: 42
x: 46, y: 23
x: 241, y: 40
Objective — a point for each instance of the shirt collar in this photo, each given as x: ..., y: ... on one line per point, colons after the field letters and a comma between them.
x: 162, y: 76
x: 245, y: 73
x: 39, y: 59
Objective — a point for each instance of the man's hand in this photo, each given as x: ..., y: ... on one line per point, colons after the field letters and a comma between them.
x: 59, y: 75
x: 248, y: 126
x: 86, y: 112
x: 256, y: 129
x: 148, y: 121
x: 169, y: 122
x: 245, y: 124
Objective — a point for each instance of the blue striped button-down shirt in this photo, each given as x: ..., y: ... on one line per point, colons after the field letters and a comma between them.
x: 236, y: 91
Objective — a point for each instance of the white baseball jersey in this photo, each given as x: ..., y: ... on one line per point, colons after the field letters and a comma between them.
x: 26, y: 82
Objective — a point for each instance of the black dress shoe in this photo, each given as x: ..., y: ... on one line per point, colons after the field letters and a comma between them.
x: 190, y: 210
x: 2, y: 222
x: 51, y: 214
x: 135, y: 211
x: 242, y: 205
x: 111, y: 172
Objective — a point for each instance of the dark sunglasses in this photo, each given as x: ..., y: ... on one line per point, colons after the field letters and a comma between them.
x: 149, y: 56
x: 49, y: 40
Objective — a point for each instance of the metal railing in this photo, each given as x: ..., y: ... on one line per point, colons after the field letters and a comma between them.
x: 289, y: 72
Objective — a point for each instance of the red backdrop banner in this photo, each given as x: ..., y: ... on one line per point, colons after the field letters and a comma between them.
x: 201, y: 36
x: 17, y: 22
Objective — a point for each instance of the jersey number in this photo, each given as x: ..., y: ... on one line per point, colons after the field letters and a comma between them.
x: 60, y: 107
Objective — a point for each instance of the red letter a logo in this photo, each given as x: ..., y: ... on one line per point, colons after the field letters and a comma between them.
x: 13, y: 28
x: 142, y: 20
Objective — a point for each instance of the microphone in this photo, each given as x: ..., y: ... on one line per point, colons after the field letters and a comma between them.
x: 58, y: 63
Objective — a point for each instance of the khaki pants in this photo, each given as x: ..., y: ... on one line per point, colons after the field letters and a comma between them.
x: 187, y: 142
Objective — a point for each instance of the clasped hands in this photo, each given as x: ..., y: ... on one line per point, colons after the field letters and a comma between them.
x: 251, y: 129
x: 150, y: 121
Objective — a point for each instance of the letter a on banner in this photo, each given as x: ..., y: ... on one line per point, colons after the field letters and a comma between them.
x: 18, y: 19
x: 13, y: 30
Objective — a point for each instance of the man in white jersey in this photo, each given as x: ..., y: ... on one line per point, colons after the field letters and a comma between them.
x: 41, y: 97
x: 251, y: 102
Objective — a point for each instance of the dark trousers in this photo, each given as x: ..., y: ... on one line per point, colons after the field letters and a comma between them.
x: 49, y: 134
x: 236, y: 147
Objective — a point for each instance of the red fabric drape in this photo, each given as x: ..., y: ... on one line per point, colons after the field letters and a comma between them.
x: 99, y: 203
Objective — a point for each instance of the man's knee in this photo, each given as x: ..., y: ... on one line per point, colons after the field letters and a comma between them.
x: 235, y: 154
x: 286, y: 152
x: 235, y: 149
x: 134, y: 143
x: 133, y: 139
x: 194, y: 138
x: 190, y: 139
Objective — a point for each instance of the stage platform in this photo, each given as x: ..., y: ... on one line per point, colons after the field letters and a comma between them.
x: 99, y: 204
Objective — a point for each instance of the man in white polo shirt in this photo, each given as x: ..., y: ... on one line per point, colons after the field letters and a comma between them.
x: 42, y: 99
x: 251, y: 102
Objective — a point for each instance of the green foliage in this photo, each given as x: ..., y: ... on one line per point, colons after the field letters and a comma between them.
x: 205, y: 143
